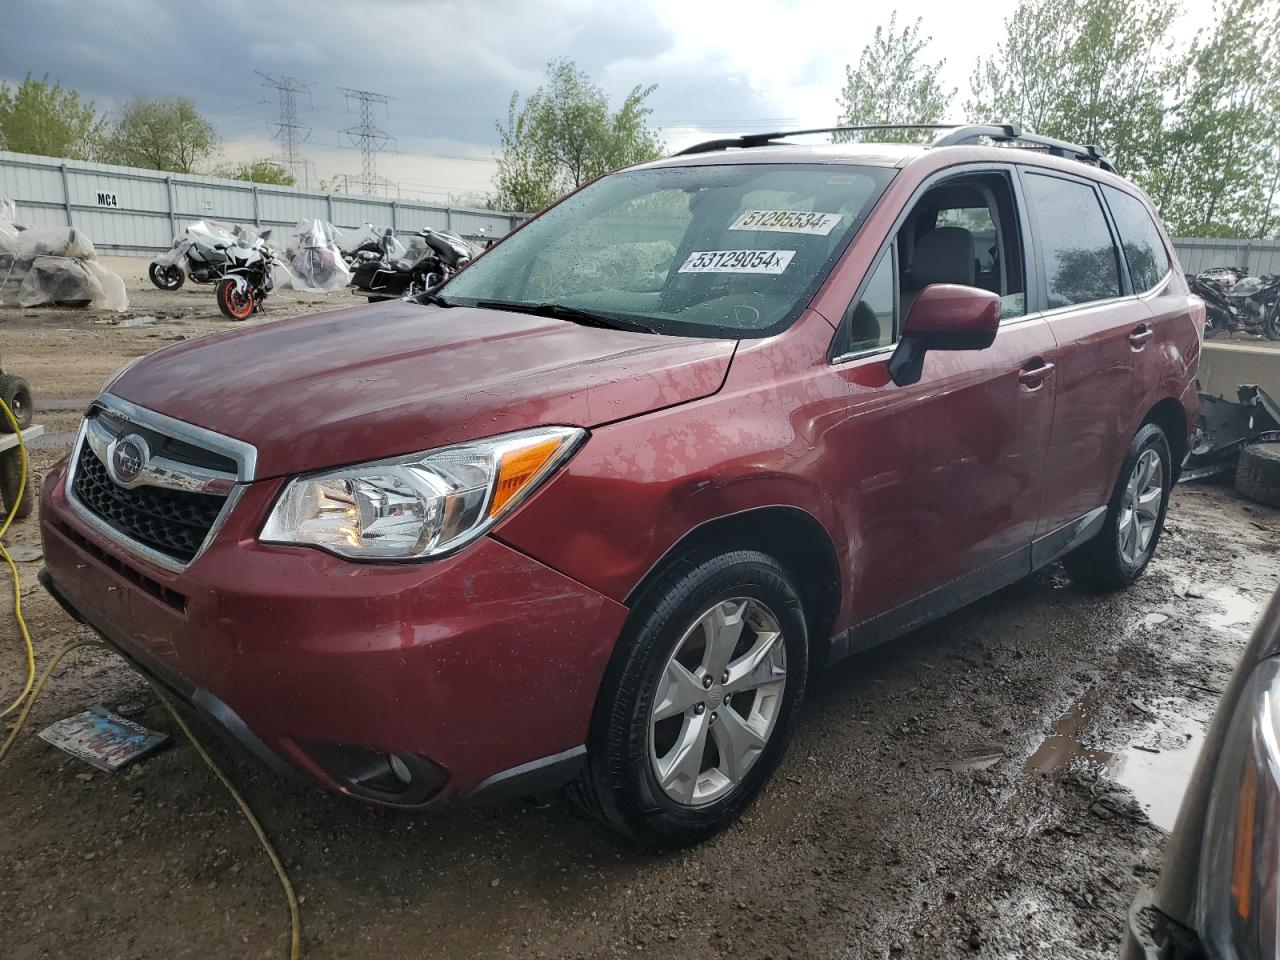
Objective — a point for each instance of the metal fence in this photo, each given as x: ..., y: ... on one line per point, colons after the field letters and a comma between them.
x: 129, y: 210
x: 1255, y: 257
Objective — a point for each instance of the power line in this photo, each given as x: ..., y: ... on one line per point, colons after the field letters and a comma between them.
x: 288, y: 130
x: 368, y: 136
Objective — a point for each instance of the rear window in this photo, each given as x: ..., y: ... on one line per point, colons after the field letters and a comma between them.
x: 1144, y: 251
x: 1077, y: 254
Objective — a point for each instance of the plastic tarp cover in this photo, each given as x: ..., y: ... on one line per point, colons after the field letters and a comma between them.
x: 315, y: 259
x: 56, y: 265
x: 205, y: 233
x: 8, y: 210
x: 385, y: 237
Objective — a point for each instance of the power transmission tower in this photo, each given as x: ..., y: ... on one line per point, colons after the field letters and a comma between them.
x: 287, y: 129
x: 369, y: 137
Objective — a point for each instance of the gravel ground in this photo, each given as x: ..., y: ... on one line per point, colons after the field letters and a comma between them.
x: 997, y: 784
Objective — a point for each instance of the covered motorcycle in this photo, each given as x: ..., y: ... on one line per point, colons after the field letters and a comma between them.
x: 58, y: 266
x: 199, y: 252
x: 370, y: 243
x: 432, y: 258
x: 251, y: 275
x: 315, y: 259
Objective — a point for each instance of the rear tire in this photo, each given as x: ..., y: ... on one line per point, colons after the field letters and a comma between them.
x: 735, y: 621
x: 1135, y: 517
x: 1258, y: 473
x: 167, y: 278
x: 234, y: 304
x: 16, y: 395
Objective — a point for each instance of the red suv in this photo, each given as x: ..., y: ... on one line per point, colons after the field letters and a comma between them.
x: 592, y: 512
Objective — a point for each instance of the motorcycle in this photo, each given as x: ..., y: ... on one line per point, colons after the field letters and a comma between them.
x: 1238, y: 303
x: 199, y: 252
x: 249, y: 278
x: 316, y: 261
x: 431, y: 259
x: 371, y: 243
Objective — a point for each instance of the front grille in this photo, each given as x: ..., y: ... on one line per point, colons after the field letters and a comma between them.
x: 174, y: 523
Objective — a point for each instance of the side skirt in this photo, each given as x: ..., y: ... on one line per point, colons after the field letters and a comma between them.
x: 962, y: 591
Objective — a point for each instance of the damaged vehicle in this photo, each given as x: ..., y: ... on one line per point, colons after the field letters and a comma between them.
x: 591, y: 513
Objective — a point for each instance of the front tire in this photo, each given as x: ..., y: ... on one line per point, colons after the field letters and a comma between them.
x: 1135, y: 517
x: 699, y: 700
x: 16, y: 395
x: 167, y: 278
x: 234, y: 304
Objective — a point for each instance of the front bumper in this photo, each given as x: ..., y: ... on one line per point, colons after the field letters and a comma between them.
x: 479, y: 670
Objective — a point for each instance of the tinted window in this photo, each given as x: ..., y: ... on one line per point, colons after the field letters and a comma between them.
x: 1077, y: 254
x: 1144, y: 251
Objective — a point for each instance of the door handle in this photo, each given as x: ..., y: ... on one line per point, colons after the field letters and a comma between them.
x: 1034, y: 377
x: 1140, y: 335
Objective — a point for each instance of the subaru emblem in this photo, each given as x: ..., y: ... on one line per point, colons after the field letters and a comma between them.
x: 128, y: 459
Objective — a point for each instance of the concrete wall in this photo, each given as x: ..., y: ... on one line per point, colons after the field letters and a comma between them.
x: 1224, y: 366
x: 129, y: 210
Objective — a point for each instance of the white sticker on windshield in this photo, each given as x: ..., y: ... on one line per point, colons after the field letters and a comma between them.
x: 737, y: 261
x: 787, y: 221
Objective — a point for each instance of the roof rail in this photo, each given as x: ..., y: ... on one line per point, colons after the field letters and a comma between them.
x: 762, y: 139
x: 1013, y: 133
x: 957, y: 134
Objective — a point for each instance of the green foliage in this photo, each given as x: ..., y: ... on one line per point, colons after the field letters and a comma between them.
x: 42, y: 118
x: 1221, y: 150
x: 565, y: 135
x: 1199, y: 130
x: 257, y: 171
x: 893, y: 84
x: 163, y: 133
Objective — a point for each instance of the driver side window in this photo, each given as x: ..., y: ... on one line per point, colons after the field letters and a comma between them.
x: 962, y: 231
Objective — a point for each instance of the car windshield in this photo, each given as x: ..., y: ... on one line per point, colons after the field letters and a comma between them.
x: 721, y: 250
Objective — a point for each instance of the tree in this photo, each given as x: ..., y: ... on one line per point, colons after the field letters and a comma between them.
x: 1088, y: 71
x: 893, y: 84
x: 165, y: 133
x: 40, y: 117
x: 1222, y: 146
x: 257, y: 171
x: 565, y: 135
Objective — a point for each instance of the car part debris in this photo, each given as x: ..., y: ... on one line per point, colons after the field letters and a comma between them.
x: 1258, y: 473
x: 1225, y: 427
x: 102, y: 739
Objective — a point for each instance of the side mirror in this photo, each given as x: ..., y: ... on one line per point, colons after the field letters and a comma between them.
x: 944, y: 316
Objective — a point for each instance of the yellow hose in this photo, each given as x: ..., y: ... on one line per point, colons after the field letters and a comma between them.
x: 13, y: 568
x: 27, y: 698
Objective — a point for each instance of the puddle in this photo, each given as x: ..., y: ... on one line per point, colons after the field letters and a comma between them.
x: 1237, y: 609
x: 139, y: 321
x: 1155, y: 766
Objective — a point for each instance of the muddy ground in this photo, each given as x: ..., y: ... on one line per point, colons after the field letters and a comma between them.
x: 997, y: 784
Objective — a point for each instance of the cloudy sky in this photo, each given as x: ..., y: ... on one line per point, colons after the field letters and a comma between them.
x: 450, y: 66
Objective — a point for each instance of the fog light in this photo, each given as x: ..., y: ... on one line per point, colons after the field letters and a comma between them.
x: 399, y: 768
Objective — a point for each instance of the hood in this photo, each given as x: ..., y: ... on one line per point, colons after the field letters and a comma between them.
x: 394, y: 378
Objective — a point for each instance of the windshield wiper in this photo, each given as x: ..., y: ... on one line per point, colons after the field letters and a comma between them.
x: 558, y: 311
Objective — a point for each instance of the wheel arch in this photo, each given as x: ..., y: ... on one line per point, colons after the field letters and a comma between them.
x: 792, y: 536
x: 1169, y: 415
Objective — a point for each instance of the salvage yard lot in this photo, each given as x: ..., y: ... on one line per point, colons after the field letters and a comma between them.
x: 988, y: 784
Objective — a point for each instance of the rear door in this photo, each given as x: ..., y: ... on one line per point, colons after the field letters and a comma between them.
x: 1102, y: 332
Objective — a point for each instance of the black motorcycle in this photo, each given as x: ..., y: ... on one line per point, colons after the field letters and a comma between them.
x: 431, y: 259
x: 198, y: 253
x: 1238, y: 303
x: 248, y: 280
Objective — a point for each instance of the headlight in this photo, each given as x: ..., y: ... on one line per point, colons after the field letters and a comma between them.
x: 421, y: 505
x: 1240, y: 868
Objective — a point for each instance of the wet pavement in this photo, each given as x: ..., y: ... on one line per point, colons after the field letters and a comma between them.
x: 996, y: 784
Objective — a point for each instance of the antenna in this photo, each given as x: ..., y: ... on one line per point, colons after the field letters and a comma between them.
x: 287, y: 130
x: 368, y: 136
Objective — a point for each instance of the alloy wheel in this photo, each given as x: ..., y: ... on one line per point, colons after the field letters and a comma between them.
x: 1140, y: 506
x: 717, y: 701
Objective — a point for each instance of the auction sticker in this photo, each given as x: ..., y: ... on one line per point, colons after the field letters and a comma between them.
x: 787, y: 221
x: 737, y: 261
